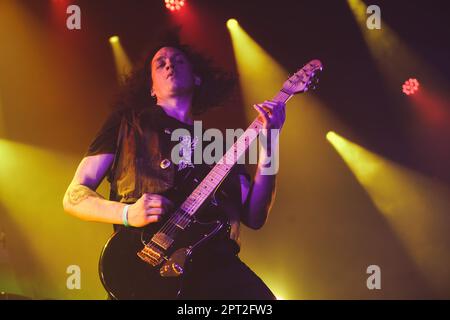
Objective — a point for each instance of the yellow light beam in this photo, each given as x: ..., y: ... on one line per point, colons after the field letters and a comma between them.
x: 123, y: 64
x: 114, y: 39
x: 42, y: 239
x: 232, y: 24
x: 416, y: 207
x: 2, y: 118
x: 260, y: 76
x: 394, y: 58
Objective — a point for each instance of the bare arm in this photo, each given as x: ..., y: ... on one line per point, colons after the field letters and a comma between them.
x: 258, y: 197
x: 80, y: 198
x: 82, y: 201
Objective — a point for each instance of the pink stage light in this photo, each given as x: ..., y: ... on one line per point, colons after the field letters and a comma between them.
x: 410, y: 86
x: 175, y: 5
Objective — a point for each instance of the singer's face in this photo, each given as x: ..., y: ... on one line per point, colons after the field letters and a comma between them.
x: 172, y: 73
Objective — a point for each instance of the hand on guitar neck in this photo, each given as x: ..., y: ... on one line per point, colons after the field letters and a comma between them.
x: 272, y: 114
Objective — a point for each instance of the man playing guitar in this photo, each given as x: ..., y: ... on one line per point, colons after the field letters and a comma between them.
x: 129, y: 149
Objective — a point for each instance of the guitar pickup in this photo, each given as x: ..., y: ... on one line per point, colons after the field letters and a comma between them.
x: 183, y: 222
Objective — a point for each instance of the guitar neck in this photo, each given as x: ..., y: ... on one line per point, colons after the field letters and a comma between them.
x: 226, y: 163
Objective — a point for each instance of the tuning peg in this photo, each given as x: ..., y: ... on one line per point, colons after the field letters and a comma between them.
x: 315, y: 82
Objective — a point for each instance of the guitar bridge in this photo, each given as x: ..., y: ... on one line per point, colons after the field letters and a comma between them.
x: 151, y: 255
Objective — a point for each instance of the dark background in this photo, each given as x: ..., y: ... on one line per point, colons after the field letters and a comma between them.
x: 57, y: 87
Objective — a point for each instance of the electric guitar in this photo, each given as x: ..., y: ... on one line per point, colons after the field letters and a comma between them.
x: 149, y: 262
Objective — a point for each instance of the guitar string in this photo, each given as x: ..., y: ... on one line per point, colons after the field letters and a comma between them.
x: 257, y: 125
x: 170, y: 226
x: 180, y: 214
x: 167, y: 228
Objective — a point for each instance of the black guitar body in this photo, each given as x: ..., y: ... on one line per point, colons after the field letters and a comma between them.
x: 125, y: 275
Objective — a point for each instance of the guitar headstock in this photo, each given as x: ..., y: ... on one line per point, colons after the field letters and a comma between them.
x: 304, y: 79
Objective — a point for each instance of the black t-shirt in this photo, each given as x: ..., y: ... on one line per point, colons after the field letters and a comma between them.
x: 106, y: 142
x: 106, y: 139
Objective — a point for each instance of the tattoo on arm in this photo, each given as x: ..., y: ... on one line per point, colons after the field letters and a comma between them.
x: 78, y: 193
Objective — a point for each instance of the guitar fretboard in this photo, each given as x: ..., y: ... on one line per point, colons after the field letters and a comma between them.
x: 190, y: 206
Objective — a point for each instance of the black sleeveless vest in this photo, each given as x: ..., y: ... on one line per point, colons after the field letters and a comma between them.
x: 142, y: 162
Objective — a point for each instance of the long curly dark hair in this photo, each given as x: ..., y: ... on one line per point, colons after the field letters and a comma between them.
x: 215, y: 89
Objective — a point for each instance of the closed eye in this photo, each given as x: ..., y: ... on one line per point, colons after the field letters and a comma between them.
x: 160, y: 62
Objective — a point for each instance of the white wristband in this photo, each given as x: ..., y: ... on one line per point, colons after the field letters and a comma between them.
x: 125, y: 215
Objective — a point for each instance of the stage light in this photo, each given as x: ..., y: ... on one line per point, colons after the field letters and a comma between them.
x: 175, y: 5
x: 392, y: 55
x: 415, y: 206
x: 114, y: 39
x: 410, y: 86
x: 123, y: 64
x: 37, y: 268
x: 59, y: 13
x: 2, y: 119
x: 253, y: 64
x: 331, y: 136
x: 232, y: 24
